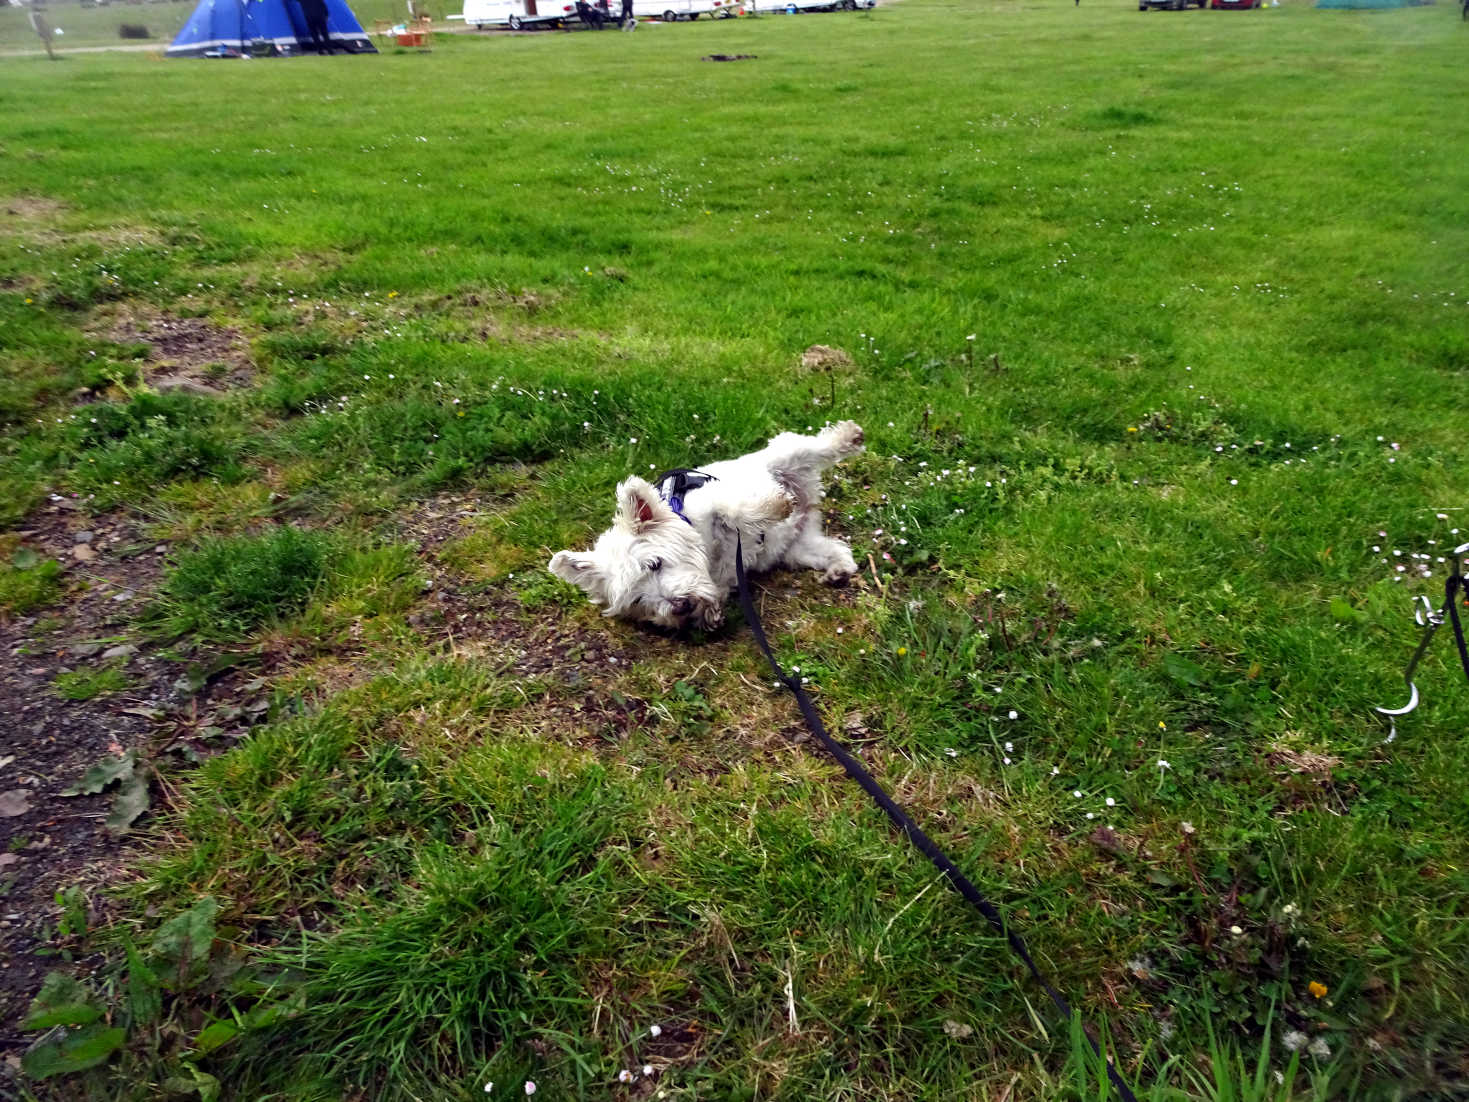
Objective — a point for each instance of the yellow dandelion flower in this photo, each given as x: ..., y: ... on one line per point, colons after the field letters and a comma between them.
x: 902, y: 651
x: 1318, y: 990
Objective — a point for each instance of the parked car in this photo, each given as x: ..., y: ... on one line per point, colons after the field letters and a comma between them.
x: 1169, y: 5
x: 1241, y: 4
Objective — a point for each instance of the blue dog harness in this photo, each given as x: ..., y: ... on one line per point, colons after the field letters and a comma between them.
x: 673, y: 486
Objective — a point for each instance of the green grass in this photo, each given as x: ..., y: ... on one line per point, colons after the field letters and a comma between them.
x: 227, y: 587
x: 27, y: 581
x: 1158, y: 335
x: 86, y: 684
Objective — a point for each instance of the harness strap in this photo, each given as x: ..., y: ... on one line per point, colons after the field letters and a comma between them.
x: 673, y: 486
x: 855, y: 769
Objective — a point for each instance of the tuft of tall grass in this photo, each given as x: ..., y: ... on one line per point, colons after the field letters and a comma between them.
x: 227, y: 587
x: 1220, y: 1072
x: 490, y: 931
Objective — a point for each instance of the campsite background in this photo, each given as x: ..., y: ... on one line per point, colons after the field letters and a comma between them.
x: 97, y: 25
x: 1157, y: 327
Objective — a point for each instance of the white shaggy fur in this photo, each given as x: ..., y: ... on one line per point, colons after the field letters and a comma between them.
x: 652, y: 566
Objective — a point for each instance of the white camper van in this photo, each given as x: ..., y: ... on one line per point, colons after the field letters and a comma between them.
x: 517, y: 13
x: 775, y: 7
x: 671, y: 10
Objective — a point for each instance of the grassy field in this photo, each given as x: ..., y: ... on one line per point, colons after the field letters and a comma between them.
x: 1158, y: 326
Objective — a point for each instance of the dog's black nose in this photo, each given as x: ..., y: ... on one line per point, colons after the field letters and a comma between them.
x: 681, y: 606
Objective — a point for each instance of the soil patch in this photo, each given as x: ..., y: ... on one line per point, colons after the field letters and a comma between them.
x: 32, y: 208
x: 191, y: 354
x: 167, y: 709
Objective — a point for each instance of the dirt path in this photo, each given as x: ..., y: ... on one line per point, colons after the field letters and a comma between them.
x: 54, y: 847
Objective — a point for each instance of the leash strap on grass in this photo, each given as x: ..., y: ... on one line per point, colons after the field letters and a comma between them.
x: 1458, y: 583
x: 925, y: 844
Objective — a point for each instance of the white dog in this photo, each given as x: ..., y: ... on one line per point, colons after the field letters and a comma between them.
x: 668, y: 558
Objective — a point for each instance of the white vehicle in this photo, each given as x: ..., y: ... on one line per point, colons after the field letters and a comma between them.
x: 671, y: 10
x: 517, y: 14
x: 775, y: 7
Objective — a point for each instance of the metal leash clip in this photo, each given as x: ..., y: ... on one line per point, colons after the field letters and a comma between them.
x: 1426, y: 617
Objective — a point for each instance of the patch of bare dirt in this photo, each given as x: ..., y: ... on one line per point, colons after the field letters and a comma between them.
x: 823, y: 357
x: 32, y: 208
x: 189, y: 354
x: 170, y: 711
x: 1307, y: 779
x: 531, y: 302
x: 1315, y: 765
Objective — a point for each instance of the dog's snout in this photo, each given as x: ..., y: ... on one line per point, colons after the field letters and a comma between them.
x: 681, y: 606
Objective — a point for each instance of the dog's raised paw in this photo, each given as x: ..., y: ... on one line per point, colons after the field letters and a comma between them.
x: 847, y: 435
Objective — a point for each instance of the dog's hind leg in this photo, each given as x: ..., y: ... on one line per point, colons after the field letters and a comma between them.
x: 796, y: 461
x: 721, y: 513
x: 793, y: 454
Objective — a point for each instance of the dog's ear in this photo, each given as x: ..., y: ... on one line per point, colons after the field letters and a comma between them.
x: 639, y: 507
x: 582, y: 571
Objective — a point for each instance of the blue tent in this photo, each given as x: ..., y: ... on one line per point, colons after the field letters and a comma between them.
x: 264, y: 28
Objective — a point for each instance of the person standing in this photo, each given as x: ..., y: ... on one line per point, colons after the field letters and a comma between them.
x: 627, y: 17
x: 316, y: 25
x: 42, y: 26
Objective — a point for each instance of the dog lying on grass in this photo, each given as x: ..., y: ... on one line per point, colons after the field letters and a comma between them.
x: 668, y: 558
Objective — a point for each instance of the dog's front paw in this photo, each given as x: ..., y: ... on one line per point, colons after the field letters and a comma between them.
x: 847, y: 436
x: 838, y: 576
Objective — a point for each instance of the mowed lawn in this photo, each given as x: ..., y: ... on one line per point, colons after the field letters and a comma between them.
x: 1158, y: 326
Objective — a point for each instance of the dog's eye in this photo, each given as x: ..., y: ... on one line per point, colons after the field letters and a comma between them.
x: 655, y: 565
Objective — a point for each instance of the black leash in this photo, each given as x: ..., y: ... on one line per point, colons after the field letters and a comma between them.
x: 925, y: 844
x: 1459, y: 583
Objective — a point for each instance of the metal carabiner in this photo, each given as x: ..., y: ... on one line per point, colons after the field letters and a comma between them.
x: 1426, y: 617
